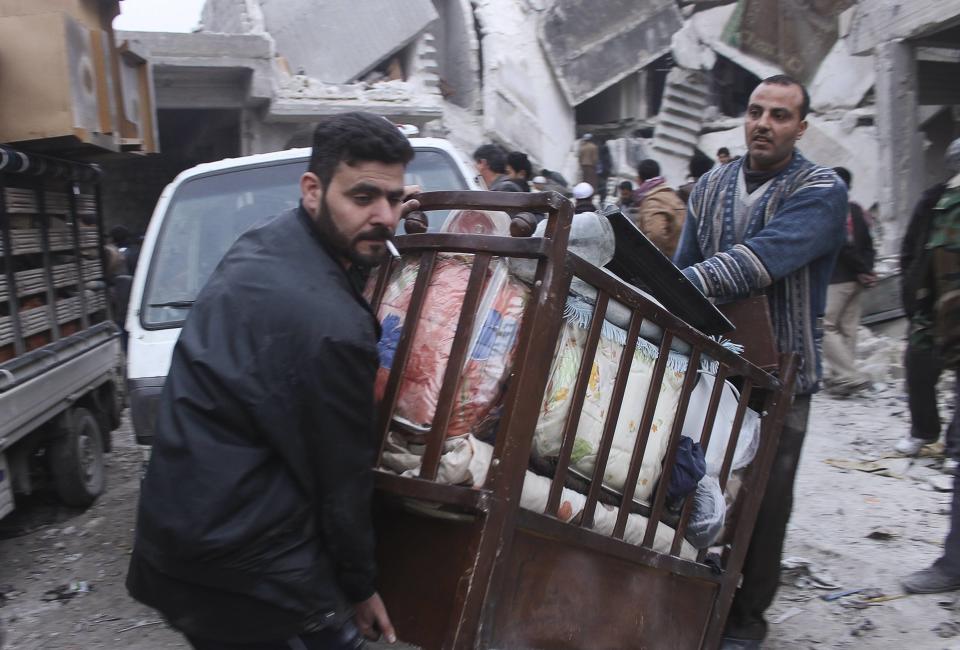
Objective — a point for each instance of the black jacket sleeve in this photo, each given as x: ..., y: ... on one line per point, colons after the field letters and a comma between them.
x: 320, y: 415
x: 911, y: 246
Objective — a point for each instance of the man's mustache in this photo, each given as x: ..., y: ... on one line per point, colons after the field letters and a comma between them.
x: 377, y: 233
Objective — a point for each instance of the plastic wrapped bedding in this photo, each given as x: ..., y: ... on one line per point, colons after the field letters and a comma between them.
x: 749, y: 438
x: 559, y: 394
x: 492, y: 345
x: 465, y: 461
x: 490, y: 354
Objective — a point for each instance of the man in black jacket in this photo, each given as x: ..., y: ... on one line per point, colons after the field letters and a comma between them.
x: 254, y: 514
x: 852, y: 274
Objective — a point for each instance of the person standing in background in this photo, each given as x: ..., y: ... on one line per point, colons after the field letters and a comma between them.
x: 660, y: 212
x: 491, y: 163
x: 588, y: 156
x: 519, y: 169
x: 852, y: 275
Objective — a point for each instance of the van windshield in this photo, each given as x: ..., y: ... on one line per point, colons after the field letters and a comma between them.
x: 208, y: 213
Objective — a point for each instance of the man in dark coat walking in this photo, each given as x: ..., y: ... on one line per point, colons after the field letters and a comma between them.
x: 254, y: 519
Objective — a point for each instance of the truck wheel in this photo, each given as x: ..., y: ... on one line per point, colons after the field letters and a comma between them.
x: 76, y: 459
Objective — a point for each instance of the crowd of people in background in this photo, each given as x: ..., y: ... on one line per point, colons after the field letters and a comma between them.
x: 684, y: 222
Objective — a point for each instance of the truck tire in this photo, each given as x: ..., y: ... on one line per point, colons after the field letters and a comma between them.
x: 76, y: 459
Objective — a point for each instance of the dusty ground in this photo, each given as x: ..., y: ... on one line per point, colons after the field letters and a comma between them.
x: 45, y: 547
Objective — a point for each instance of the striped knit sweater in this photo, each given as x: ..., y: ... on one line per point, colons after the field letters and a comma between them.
x: 794, y: 230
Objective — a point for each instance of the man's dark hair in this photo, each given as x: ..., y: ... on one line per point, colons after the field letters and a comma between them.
x: 701, y: 163
x: 844, y: 175
x: 520, y: 163
x: 120, y: 235
x: 787, y: 80
x: 626, y: 185
x: 723, y: 151
x: 648, y: 169
x: 356, y: 137
x: 495, y: 156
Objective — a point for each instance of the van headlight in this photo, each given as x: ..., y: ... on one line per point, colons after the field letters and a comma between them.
x: 144, y: 396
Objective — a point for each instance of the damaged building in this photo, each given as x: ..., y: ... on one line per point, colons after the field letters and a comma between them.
x: 660, y: 79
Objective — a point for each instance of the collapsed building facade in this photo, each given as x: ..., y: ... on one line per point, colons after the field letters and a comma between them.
x: 668, y: 77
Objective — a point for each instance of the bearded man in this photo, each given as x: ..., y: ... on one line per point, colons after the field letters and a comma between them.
x: 771, y: 222
x: 254, y: 520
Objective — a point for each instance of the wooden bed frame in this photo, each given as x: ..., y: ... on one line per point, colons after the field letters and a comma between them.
x: 483, y: 572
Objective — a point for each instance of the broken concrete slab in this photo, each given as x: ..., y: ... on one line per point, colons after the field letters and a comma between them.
x: 842, y: 80
x: 354, y: 38
x: 692, y: 46
x: 829, y: 143
x: 732, y: 139
x: 231, y: 17
x: 942, y: 483
x: 881, y: 21
x: 524, y: 106
x: 789, y: 34
x: 593, y: 45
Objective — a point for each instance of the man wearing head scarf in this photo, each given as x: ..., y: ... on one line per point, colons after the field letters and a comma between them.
x: 922, y: 361
x: 936, y: 323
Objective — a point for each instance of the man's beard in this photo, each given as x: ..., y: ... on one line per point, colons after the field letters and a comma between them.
x: 347, y: 248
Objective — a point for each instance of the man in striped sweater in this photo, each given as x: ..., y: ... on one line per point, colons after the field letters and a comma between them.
x: 770, y: 222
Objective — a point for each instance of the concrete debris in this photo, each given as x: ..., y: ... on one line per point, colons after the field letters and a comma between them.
x: 879, y: 21
x: 524, y: 106
x: 801, y: 572
x: 881, y: 534
x: 942, y: 483
x: 863, y: 628
x: 593, y: 45
x: 947, y: 629
x: 785, y: 616
x: 68, y: 591
x: 357, y: 36
x: 685, y: 101
x: 890, y: 467
x: 690, y: 50
x: 828, y: 143
x: 788, y: 34
x: 842, y: 80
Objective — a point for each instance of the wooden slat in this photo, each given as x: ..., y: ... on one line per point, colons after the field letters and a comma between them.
x: 384, y: 272
x: 643, y: 436
x: 634, y: 555
x: 610, y: 424
x: 705, y: 434
x: 732, y: 443
x: 660, y: 494
x: 430, y: 491
x: 506, y: 201
x: 572, y: 420
x: 735, y: 432
x: 410, y: 321
x: 778, y: 404
x: 450, y: 388
x: 531, y: 248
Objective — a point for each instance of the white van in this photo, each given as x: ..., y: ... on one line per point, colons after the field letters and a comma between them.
x: 198, y: 217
